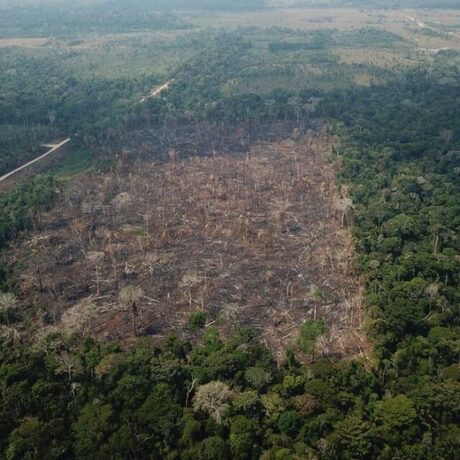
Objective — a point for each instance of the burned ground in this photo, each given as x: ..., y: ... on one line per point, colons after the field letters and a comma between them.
x: 251, y: 239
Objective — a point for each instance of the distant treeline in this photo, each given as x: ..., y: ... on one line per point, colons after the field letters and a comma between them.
x: 70, y: 20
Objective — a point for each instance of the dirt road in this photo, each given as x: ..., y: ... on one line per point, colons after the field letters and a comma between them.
x: 157, y: 91
x: 24, y: 166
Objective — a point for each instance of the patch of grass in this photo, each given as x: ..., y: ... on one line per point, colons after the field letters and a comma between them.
x: 75, y: 161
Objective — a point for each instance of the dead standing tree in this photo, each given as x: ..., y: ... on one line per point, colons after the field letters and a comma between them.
x: 113, y: 249
x: 79, y: 228
x: 97, y: 258
x: 128, y: 298
x: 344, y: 205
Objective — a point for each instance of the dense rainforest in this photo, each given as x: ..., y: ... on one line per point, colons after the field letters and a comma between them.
x: 398, y: 154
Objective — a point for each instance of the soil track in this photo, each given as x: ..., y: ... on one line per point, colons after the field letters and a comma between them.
x: 53, y: 149
x: 157, y: 91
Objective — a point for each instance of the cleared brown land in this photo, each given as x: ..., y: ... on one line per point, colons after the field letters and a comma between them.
x: 252, y: 239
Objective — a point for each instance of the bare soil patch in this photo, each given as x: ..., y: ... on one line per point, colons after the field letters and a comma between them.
x: 251, y: 239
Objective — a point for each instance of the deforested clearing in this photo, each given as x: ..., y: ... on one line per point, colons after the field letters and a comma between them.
x: 257, y: 238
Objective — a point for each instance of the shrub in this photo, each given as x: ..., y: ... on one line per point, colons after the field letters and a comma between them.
x: 197, y: 320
